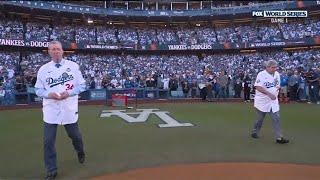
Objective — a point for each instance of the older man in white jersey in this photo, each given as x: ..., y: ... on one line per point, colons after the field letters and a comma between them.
x: 59, y: 82
x: 267, y: 86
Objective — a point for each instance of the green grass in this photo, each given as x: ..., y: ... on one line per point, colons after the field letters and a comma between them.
x: 221, y: 134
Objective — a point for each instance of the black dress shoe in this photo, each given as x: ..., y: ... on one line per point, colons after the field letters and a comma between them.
x: 282, y: 141
x: 51, y: 175
x: 81, y: 157
x: 254, y: 135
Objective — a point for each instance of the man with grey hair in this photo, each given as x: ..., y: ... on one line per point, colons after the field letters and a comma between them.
x: 59, y: 82
x: 267, y: 86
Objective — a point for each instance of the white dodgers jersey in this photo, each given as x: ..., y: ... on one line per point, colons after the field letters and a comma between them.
x: 59, y: 79
x: 271, y: 83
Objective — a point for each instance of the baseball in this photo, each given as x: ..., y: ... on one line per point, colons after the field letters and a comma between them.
x: 58, y: 94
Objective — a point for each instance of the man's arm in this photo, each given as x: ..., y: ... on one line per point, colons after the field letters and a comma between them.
x: 45, y: 94
x: 313, y: 80
x: 264, y: 91
x: 78, y: 89
x: 39, y: 86
x: 41, y: 91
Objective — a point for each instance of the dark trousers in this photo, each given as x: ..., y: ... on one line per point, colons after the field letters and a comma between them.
x: 193, y: 93
x: 237, y: 91
x: 222, y: 92
x: 50, y: 132
x: 293, y: 92
x: 314, y: 93
x: 227, y: 92
x: 203, y: 93
x: 246, y: 93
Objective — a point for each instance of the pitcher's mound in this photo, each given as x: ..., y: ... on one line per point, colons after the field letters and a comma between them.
x: 221, y: 171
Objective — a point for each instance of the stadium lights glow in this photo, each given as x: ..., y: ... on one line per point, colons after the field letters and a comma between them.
x: 247, y: 51
x: 90, y: 21
x: 198, y: 25
x: 68, y: 51
x: 295, y: 48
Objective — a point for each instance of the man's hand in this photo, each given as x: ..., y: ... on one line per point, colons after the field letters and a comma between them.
x: 262, y: 90
x: 64, y: 95
x: 58, y: 96
x: 272, y: 97
x: 54, y: 95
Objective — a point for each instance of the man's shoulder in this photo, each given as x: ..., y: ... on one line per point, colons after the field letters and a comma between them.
x: 45, y: 66
x: 262, y: 73
x: 71, y: 63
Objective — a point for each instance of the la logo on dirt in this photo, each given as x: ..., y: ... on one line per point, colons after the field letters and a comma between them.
x: 143, y: 115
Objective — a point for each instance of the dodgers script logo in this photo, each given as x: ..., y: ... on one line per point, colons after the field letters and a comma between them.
x: 65, y: 77
x: 144, y: 115
x: 273, y: 84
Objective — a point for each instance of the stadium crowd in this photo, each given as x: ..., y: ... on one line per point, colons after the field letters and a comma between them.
x: 174, y: 72
x: 221, y: 75
x: 110, y: 35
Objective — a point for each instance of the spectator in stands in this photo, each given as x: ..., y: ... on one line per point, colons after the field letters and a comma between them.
x: 167, y: 36
x: 173, y: 83
x: 202, y: 85
x: 2, y: 77
x: 11, y: 30
x: 165, y: 82
x: 185, y: 88
x: 9, y: 87
x: 106, y: 35
x: 159, y: 82
x: 228, y: 86
x: 105, y: 81
x: 314, y: 86
x: 85, y: 35
x: 114, y: 83
x: 128, y: 83
x: 92, y: 83
x: 222, y: 81
x: 147, y: 36
x: 150, y: 81
x: 293, y: 83
x: 2, y: 94
x: 20, y: 85
x: 247, y: 83
x: 64, y: 33
x: 283, y: 86
x: 194, y: 87
x: 127, y: 36
x: 209, y: 87
x: 302, y: 88
x: 98, y: 82
x: 237, y: 86
x: 37, y: 32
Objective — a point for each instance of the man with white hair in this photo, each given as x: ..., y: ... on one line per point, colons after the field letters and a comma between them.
x: 267, y: 86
